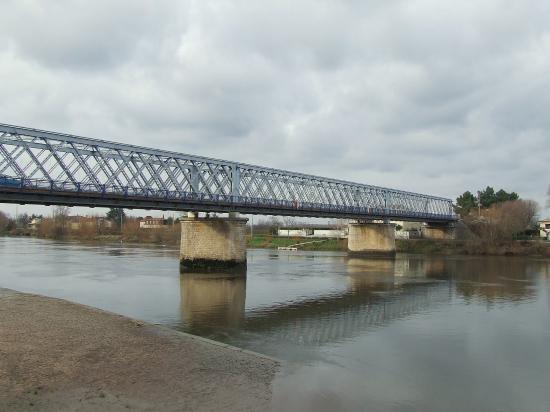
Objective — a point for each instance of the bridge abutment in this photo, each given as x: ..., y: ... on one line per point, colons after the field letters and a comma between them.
x: 371, y: 239
x: 438, y: 231
x: 213, y: 244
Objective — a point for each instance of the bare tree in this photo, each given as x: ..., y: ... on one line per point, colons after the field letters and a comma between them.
x: 289, y: 221
x: 61, y: 220
x: 503, y: 221
x: 22, y: 220
x: 4, y: 222
x: 274, y: 224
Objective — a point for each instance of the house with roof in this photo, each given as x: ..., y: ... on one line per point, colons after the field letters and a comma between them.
x: 544, y: 229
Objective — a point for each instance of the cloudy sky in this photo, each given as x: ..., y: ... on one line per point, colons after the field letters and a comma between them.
x: 434, y: 96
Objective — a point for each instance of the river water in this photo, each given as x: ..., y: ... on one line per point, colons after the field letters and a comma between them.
x: 415, y: 333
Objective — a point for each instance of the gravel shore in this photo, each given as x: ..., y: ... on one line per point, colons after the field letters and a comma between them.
x: 60, y: 356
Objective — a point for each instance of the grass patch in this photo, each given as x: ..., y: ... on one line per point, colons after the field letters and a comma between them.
x: 273, y: 242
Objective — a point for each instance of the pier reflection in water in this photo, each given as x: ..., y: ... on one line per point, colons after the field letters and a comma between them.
x: 211, y: 303
x: 411, y: 333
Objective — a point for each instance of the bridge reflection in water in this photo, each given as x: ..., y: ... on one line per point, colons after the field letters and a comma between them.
x: 378, y: 292
x: 376, y: 295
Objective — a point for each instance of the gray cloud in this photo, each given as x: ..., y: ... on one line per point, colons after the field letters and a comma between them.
x: 69, y: 35
x: 425, y: 95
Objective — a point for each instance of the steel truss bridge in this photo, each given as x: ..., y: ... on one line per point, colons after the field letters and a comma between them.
x: 40, y: 167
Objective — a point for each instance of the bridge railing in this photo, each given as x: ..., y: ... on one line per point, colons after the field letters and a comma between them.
x: 115, y: 191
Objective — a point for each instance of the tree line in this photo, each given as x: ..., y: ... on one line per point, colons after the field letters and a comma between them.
x: 495, y: 216
x: 467, y: 202
x: 491, y: 216
x: 8, y: 224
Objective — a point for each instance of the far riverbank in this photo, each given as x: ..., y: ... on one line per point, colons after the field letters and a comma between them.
x: 415, y: 246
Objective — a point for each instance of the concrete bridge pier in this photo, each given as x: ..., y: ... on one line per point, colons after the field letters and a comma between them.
x: 371, y: 239
x: 213, y: 244
x: 438, y: 231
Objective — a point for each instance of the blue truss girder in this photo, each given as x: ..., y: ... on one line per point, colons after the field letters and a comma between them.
x: 73, y: 167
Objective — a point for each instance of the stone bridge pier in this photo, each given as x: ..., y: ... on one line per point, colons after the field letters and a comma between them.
x: 438, y: 231
x: 213, y: 244
x: 371, y: 239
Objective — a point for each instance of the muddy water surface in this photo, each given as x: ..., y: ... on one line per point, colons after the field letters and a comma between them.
x: 412, y: 334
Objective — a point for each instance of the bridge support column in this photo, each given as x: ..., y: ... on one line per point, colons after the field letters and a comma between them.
x: 213, y: 244
x: 374, y: 239
x: 438, y: 231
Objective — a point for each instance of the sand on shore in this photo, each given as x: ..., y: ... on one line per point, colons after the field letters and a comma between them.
x: 56, y: 355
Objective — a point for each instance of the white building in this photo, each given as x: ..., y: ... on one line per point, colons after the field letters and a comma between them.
x: 544, y: 228
x: 150, y: 222
x: 313, y: 231
x: 77, y: 222
x: 34, y: 223
x: 407, y: 230
x: 294, y: 232
x: 338, y: 233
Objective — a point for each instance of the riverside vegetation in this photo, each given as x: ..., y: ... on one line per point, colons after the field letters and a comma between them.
x: 61, y: 226
x: 493, y: 223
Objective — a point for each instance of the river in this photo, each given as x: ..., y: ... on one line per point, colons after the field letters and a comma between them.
x: 414, y: 333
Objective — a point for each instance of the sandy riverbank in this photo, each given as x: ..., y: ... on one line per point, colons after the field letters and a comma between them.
x: 57, y: 355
